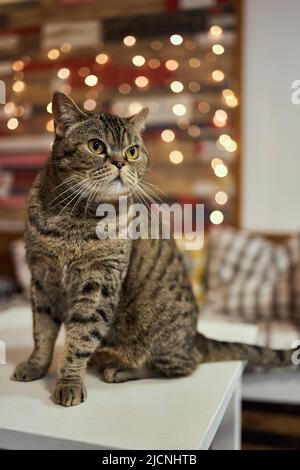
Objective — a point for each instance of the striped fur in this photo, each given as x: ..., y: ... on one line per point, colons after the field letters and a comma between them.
x: 126, y: 305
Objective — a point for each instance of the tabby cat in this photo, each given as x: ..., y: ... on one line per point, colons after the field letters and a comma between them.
x: 126, y: 304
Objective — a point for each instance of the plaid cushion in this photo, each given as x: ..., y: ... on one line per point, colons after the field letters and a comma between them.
x: 246, y: 276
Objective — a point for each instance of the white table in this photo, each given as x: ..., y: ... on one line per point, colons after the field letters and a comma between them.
x: 197, y: 412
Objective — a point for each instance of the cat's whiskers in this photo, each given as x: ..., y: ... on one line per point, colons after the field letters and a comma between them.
x: 79, y: 183
x: 78, y: 193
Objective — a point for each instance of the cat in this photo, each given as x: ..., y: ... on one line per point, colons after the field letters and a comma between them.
x: 127, y: 305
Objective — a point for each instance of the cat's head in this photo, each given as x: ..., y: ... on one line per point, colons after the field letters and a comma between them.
x: 103, y: 155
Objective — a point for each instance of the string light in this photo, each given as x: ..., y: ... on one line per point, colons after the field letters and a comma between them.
x: 50, y: 125
x: 218, y: 75
x: 124, y: 88
x: 129, y: 41
x: 153, y: 63
x: 66, y: 47
x: 12, y: 123
x: 216, y: 31
x: 194, y: 87
x: 215, y: 162
x: 176, y: 157
x: 63, y: 73
x: 218, y: 49
x: 167, y: 135
x: 18, y: 66
x: 176, y: 86
x: 230, y: 98
x: 89, y: 104
x: 18, y: 86
x: 19, y: 111
x: 194, y: 62
x: 53, y: 54
x: 49, y: 108
x: 101, y: 59
x: 221, y: 198
x: 141, y: 81
x: 171, y: 65
x: 9, y: 107
x: 179, y: 109
x: 176, y: 39
x: 183, y: 123
x: 91, y: 80
x: 216, y: 217
x: 220, y: 118
x: 138, y: 60
x: 232, y: 146
x: 221, y: 170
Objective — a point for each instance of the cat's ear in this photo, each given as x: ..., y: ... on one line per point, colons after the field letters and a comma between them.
x: 65, y: 113
x: 139, y: 120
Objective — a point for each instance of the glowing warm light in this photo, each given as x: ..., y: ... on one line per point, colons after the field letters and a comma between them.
x: 66, y: 47
x: 124, y: 88
x: 138, y: 60
x: 50, y: 125
x: 216, y: 31
x: 89, y: 104
x: 18, y: 66
x: 221, y: 170
x: 135, y: 107
x: 176, y: 157
x: 9, y: 107
x: 204, y: 107
x: 231, y: 147
x: 176, y: 39
x: 194, y: 131
x: 224, y: 139
x: 216, y: 217
x: 154, y: 63
x: 18, y: 86
x: 91, y: 80
x: 141, y: 81
x: 176, y: 86
x: 156, y: 45
x: 101, y: 59
x: 167, y: 135
x: 231, y: 101
x: 218, y: 49
x: 12, y: 123
x: 227, y: 92
x: 19, y: 111
x: 220, y: 118
x: 221, y: 198
x: 179, y: 109
x: 129, y: 41
x: 194, y: 62
x: 218, y: 75
x: 194, y: 87
x: 49, y: 108
x: 53, y: 54
x: 63, y: 73
x: 172, y: 64
x: 215, y: 162
x: 83, y: 72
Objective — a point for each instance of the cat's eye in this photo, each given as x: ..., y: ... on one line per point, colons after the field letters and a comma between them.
x: 96, y: 146
x: 132, y: 152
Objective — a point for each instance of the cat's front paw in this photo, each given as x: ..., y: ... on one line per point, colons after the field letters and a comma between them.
x: 26, y: 372
x: 69, y: 394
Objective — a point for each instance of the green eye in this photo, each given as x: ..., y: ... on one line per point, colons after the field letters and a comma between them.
x: 96, y: 146
x: 132, y: 153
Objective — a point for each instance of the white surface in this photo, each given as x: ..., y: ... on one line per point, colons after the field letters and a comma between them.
x: 276, y: 386
x: 146, y: 414
x: 271, y: 161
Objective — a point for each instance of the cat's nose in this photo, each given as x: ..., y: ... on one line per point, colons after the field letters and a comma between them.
x: 118, y: 163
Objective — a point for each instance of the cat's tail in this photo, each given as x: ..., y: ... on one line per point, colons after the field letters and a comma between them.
x: 256, y: 356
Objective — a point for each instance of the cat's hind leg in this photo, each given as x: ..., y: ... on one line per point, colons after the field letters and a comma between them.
x: 116, y: 375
